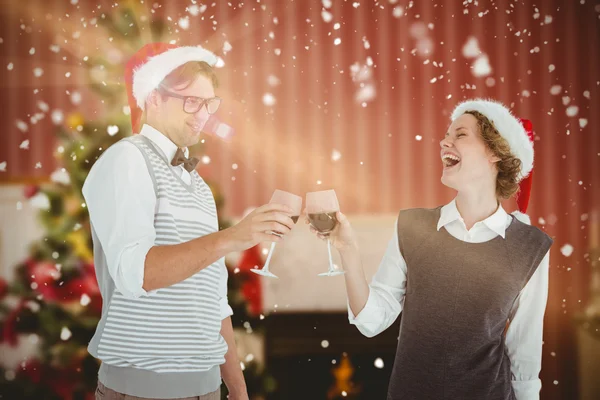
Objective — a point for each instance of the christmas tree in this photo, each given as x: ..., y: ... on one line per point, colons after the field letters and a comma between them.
x: 54, y: 300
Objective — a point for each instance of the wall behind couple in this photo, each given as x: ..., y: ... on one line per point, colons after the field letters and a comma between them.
x: 353, y: 96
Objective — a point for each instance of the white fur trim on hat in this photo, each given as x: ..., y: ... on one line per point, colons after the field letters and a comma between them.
x: 524, y: 218
x: 507, y: 125
x: 149, y: 75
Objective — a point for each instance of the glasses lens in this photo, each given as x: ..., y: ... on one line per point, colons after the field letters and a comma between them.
x: 213, y: 105
x: 192, y: 104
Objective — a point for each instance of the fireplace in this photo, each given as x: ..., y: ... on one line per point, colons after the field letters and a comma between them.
x: 304, y: 350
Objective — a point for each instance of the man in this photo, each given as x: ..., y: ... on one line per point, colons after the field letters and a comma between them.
x: 165, y: 330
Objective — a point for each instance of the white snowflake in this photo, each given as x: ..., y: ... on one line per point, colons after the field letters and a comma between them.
x: 226, y: 47
x: 22, y: 126
x: 85, y: 300
x: 572, y: 111
x: 40, y: 201
x: 471, y: 48
x: 65, y: 333
x: 61, y: 176
x: 3, y: 166
x: 566, y: 250
x: 24, y: 145
x: 272, y: 80
x: 327, y: 16
x: 398, y: 11
x: 481, y: 66
x: 76, y: 98
x: 43, y: 106
x: 269, y: 100
x: 57, y: 117
x: 184, y: 23
x: 378, y: 363
x: 335, y: 155
x: 112, y: 130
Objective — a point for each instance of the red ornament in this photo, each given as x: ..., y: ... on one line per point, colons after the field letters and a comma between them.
x: 30, y: 191
x: 32, y: 370
x: 3, y: 288
x: 251, y: 288
x: 9, y: 329
x: 42, y: 272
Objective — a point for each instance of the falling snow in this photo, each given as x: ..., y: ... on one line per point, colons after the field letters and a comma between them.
x: 269, y: 100
x: 40, y: 201
x: 22, y: 126
x: 57, y: 117
x: 335, y: 155
x: 65, y: 333
x: 112, y: 130
x: 85, y: 300
x: 61, y: 176
x: 572, y: 111
x: 481, y: 66
x: 566, y: 250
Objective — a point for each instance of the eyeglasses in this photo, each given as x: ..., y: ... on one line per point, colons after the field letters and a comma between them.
x: 192, y: 104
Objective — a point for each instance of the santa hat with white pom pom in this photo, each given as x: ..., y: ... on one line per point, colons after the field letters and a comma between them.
x: 519, y: 135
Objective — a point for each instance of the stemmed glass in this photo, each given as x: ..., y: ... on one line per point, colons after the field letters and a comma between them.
x: 321, y: 208
x: 295, y: 203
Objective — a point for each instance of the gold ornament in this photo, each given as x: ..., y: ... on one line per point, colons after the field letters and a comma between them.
x: 74, y: 120
x: 80, y: 246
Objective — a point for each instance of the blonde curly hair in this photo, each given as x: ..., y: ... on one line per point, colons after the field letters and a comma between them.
x: 509, y: 166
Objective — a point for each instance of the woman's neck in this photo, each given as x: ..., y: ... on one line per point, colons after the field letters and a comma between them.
x: 475, y: 207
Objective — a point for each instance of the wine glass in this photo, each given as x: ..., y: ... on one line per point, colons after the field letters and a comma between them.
x: 321, y: 208
x: 295, y: 203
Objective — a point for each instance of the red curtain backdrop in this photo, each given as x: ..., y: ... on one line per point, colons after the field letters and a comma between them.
x: 379, y: 156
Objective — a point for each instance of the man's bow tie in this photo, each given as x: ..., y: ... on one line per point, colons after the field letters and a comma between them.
x: 188, y: 163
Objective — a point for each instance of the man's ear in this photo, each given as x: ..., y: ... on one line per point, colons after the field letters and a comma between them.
x: 153, y: 98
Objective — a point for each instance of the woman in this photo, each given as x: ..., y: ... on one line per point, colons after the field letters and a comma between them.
x: 470, y: 279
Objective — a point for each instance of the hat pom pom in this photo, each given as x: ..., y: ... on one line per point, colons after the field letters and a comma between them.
x: 524, y: 218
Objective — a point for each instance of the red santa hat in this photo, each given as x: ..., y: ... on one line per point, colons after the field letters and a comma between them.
x: 519, y: 135
x: 146, y: 69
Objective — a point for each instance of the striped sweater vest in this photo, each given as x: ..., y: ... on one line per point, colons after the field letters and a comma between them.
x: 177, y: 328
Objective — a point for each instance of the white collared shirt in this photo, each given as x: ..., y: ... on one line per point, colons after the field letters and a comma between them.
x: 524, y: 334
x: 120, y: 197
